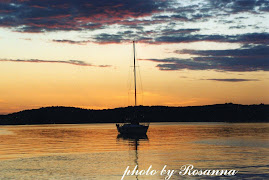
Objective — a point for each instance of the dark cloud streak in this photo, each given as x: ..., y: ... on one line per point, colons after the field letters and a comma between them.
x: 72, y: 62
x: 232, y: 80
x: 253, y: 58
x: 70, y: 41
x: 250, y: 38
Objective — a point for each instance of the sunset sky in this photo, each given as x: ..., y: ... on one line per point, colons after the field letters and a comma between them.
x: 78, y: 53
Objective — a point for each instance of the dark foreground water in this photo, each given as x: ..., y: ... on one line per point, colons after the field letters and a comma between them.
x: 94, y: 151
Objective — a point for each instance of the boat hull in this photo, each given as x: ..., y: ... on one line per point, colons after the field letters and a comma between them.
x: 130, y: 129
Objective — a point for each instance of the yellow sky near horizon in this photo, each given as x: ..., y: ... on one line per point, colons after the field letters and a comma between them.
x: 27, y: 85
x: 33, y: 85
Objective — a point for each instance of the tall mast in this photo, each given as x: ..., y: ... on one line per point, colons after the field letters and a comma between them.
x: 134, y: 71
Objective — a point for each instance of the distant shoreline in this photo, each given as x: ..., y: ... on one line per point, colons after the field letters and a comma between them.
x: 221, y: 123
x: 230, y: 113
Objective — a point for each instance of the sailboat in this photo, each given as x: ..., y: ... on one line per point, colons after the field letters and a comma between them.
x: 134, y: 127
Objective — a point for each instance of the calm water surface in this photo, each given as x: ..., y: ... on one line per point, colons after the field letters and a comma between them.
x: 94, y: 151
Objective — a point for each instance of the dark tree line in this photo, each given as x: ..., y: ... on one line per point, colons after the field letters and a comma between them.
x: 211, y: 113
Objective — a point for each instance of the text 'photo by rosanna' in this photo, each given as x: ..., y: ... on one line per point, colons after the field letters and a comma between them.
x: 185, y: 170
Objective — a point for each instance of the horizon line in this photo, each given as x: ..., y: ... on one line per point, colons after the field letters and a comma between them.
x: 131, y: 106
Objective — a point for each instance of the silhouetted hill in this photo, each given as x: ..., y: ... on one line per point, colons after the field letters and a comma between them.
x: 210, y: 113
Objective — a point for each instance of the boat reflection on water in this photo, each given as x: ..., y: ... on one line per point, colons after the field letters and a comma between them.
x: 133, y: 142
x: 132, y: 137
